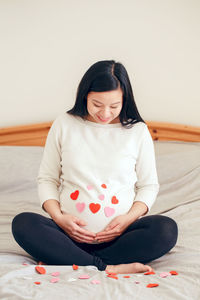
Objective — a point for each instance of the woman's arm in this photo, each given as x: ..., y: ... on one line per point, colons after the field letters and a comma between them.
x: 137, y: 210
x: 147, y: 186
x: 50, y: 167
x: 52, y: 207
x: 69, y: 223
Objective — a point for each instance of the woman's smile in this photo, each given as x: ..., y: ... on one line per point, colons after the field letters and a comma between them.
x: 103, y: 120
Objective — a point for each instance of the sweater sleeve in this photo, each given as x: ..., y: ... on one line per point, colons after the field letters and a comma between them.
x: 50, y: 168
x: 147, y: 185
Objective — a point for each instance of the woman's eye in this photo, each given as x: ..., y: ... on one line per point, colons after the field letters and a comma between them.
x: 100, y: 106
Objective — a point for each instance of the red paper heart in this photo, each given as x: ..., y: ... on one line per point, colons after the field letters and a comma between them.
x: 114, y: 200
x: 74, y: 195
x: 112, y: 276
x: 104, y: 186
x: 94, y: 207
x: 173, y: 272
x: 40, y: 270
x: 75, y: 267
x: 149, y: 273
x: 151, y: 285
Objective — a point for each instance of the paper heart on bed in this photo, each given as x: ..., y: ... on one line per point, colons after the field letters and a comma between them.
x: 84, y: 276
x: 40, y: 270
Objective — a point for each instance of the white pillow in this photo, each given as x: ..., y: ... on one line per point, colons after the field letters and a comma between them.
x: 19, y: 166
x: 178, y: 168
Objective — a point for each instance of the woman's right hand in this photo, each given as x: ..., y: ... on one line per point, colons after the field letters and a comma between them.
x: 71, y: 225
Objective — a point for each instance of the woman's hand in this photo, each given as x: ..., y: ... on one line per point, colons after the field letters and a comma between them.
x: 115, y: 228
x: 71, y: 225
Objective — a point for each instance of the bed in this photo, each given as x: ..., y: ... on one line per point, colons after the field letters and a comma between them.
x: 177, y: 149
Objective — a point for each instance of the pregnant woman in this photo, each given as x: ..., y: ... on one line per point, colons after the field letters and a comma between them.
x: 97, y: 181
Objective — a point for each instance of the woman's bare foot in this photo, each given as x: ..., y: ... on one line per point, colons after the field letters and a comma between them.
x: 128, y: 268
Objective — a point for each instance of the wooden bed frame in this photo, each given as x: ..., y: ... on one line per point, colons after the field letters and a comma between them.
x: 35, y: 134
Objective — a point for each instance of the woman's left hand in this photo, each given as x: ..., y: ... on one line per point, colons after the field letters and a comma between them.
x: 115, y: 228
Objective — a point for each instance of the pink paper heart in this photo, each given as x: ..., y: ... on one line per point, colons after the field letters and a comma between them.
x: 165, y: 274
x: 109, y: 211
x: 95, y: 281
x: 56, y: 279
x: 101, y: 197
x: 55, y: 273
x: 84, y: 276
x: 80, y: 206
x: 89, y: 187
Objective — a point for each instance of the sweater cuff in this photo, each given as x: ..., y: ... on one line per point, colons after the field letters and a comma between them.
x: 147, y: 195
x: 47, y: 192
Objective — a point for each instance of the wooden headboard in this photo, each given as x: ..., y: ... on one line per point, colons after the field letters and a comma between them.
x: 35, y: 134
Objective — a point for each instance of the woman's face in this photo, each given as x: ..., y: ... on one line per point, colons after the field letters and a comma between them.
x: 104, y: 107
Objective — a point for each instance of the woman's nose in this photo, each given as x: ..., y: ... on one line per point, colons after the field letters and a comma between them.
x: 105, y: 113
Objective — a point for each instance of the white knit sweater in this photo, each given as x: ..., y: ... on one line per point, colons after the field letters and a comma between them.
x: 97, y: 171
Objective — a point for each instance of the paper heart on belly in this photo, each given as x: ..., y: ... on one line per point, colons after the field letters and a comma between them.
x: 89, y: 187
x: 109, y: 211
x: 114, y: 200
x: 101, y: 197
x: 80, y: 206
x: 94, y: 207
x: 74, y: 195
x: 104, y: 186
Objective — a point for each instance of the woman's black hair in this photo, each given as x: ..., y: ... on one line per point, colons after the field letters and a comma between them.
x: 107, y: 75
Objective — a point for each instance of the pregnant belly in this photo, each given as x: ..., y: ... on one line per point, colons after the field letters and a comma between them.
x: 97, y: 214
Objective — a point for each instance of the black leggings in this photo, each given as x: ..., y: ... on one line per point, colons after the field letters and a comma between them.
x: 144, y: 240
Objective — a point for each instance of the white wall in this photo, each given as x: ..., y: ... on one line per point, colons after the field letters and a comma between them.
x: 47, y: 45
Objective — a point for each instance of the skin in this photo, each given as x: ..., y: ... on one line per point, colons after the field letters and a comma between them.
x: 104, y: 107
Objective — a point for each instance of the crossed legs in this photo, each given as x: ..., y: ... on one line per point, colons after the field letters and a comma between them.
x: 144, y: 240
